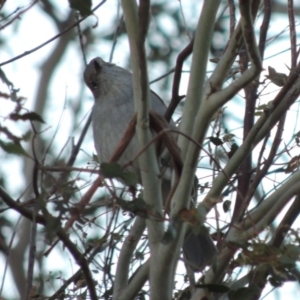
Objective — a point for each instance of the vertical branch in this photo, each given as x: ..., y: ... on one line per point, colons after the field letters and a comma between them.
x: 286, y: 223
x: 245, y: 168
x: 293, y: 37
x: 251, y: 97
x: 232, y: 17
x: 267, y: 163
x: 219, y: 98
x: 201, y: 47
x: 143, y: 22
x: 169, y: 253
x: 128, y: 248
x: 137, y: 25
x: 33, y: 232
x: 116, y: 33
x: 155, y: 229
x: 248, y: 13
x: 176, y: 81
x: 80, y: 37
x: 147, y: 161
x: 264, y: 28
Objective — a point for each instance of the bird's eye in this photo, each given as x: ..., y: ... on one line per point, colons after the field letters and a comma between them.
x: 93, y: 84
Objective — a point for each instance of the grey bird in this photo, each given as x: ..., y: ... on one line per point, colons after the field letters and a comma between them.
x: 112, y: 88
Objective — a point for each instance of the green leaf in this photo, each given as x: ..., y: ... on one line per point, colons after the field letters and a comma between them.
x: 31, y: 116
x: 228, y: 137
x: 83, y: 6
x: 117, y: 237
x: 226, y: 205
x: 95, y: 158
x: 215, y: 288
x: 262, y: 107
x: 246, y: 293
x: 137, y: 206
x: 292, y: 250
x: 233, y: 149
x: 114, y: 170
x: 274, y: 281
x: 78, y: 226
x: 277, y: 78
x: 139, y: 255
x: 215, y: 60
x: 13, y: 148
x: 130, y: 178
x: 170, y: 234
x: 26, y: 136
x: 216, y: 141
x: 293, y: 164
x: 111, y: 170
x: 286, y: 260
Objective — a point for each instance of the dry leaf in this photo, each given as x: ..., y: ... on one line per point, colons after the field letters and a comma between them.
x: 277, y: 78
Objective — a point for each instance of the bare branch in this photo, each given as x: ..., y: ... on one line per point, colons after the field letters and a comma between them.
x: 129, y: 246
x: 50, y: 40
x: 293, y: 35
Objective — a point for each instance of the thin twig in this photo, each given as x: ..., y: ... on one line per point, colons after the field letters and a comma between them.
x: 46, y: 220
x: 176, y: 81
x: 50, y: 40
x: 9, y: 249
x: 32, y: 243
x: 116, y: 33
x: 81, y: 43
x: 268, y: 162
x: 251, y: 97
x: 18, y: 16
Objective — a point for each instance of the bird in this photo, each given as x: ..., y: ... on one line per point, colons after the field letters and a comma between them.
x: 112, y: 88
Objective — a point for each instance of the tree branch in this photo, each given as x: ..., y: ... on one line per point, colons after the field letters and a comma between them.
x: 49, y: 221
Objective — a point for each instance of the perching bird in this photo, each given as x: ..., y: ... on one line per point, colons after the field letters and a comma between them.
x: 112, y: 88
